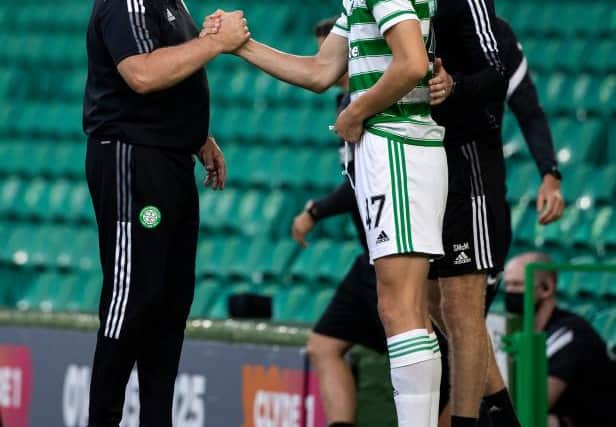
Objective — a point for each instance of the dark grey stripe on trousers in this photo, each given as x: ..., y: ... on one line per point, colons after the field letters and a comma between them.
x: 122, y: 267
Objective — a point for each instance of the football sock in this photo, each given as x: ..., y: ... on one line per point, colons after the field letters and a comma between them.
x: 501, y: 410
x: 463, y: 421
x: 436, y: 383
x: 413, y: 364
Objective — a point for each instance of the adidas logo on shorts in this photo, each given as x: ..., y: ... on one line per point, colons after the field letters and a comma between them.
x: 382, y: 238
x: 462, y: 258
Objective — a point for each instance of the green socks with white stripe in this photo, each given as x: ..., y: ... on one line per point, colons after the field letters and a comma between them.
x: 415, y: 364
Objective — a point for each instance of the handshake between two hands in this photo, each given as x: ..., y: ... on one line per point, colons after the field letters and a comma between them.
x: 230, y: 29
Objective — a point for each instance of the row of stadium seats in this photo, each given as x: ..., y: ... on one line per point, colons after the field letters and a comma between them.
x: 570, y: 55
x: 586, y: 140
x: 586, y: 184
x: 248, y: 89
x: 79, y: 292
x: 44, y: 246
x: 594, y: 19
x: 254, y: 211
x: 273, y: 21
x: 561, y: 18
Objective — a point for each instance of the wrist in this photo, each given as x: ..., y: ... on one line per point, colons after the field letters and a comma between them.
x: 311, y: 211
x: 553, y: 173
x: 244, y: 50
x: 357, y: 111
x: 211, y: 43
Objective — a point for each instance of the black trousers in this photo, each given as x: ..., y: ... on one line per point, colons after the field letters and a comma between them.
x: 146, y: 206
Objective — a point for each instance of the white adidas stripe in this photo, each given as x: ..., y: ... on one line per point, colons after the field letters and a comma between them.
x: 517, y: 77
x: 481, y: 230
x: 488, y: 243
x: 484, y: 31
x: 559, y: 343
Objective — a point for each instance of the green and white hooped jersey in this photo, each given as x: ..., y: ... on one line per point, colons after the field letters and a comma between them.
x: 363, y: 23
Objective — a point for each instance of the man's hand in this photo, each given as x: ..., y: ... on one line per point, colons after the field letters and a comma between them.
x: 349, y: 125
x: 441, y: 84
x: 215, y: 166
x: 211, y: 23
x: 229, y: 29
x: 302, y: 225
x: 550, y: 203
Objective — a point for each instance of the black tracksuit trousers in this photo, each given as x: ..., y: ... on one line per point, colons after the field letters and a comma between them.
x: 146, y: 206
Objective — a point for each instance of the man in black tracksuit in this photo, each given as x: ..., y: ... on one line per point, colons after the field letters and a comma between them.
x: 352, y: 316
x: 146, y: 113
x: 476, y: 231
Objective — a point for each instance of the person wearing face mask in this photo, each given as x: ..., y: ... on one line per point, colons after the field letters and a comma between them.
x: 581, y: 376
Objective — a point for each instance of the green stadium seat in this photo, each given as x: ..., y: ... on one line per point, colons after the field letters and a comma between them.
x: 601, y: 188
x: 577, y: 142
x: 215, y: 206
x: 604, y: 230
x: 572, y: 283
x: 290, y: 304
x: 607, y: 94
x: 85, y: 296
x: 324, y: 261
x: 578, y: 174
x: 10, y: 193
x: 260, y: 258
x: 49, y: 292
x: 605, y: 325
x: 30, y: 205
x: 205, y: 296
x: 522, y: 181
x: 321, y: 301
x: 569, y: 56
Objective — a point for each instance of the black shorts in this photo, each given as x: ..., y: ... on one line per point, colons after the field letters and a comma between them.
x: 352, y: 314
x: 477, y: 226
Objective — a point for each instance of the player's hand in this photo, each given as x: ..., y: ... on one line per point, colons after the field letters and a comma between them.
x: 550, y: 202
x: 212, y: 23
x: 349, y: 125
x: 441, y: 84
x: 215, y: 166
x: 302, y: 225
x: 233, y: 31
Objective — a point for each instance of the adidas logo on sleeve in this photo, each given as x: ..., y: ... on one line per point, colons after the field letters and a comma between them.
x: 382, y: 238
x: 170, y: 16
x: 462, y: 258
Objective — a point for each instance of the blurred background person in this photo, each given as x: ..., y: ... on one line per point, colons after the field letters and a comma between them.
x: 581, y: 376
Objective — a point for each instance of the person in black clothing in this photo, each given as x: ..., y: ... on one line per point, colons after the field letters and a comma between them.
x: 581, y: 376
x: 522, y: 99
x: 468, y: 102
x: 146, y: 113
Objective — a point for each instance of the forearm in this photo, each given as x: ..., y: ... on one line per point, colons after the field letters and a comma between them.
x: 297, y: 70
x: 397, y: 81
x: 539, y: 140
x: 524, y: 103
x: 168, y: 66
x: 339, y: 201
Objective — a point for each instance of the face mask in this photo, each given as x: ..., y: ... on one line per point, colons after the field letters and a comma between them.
x: 514, y: 302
